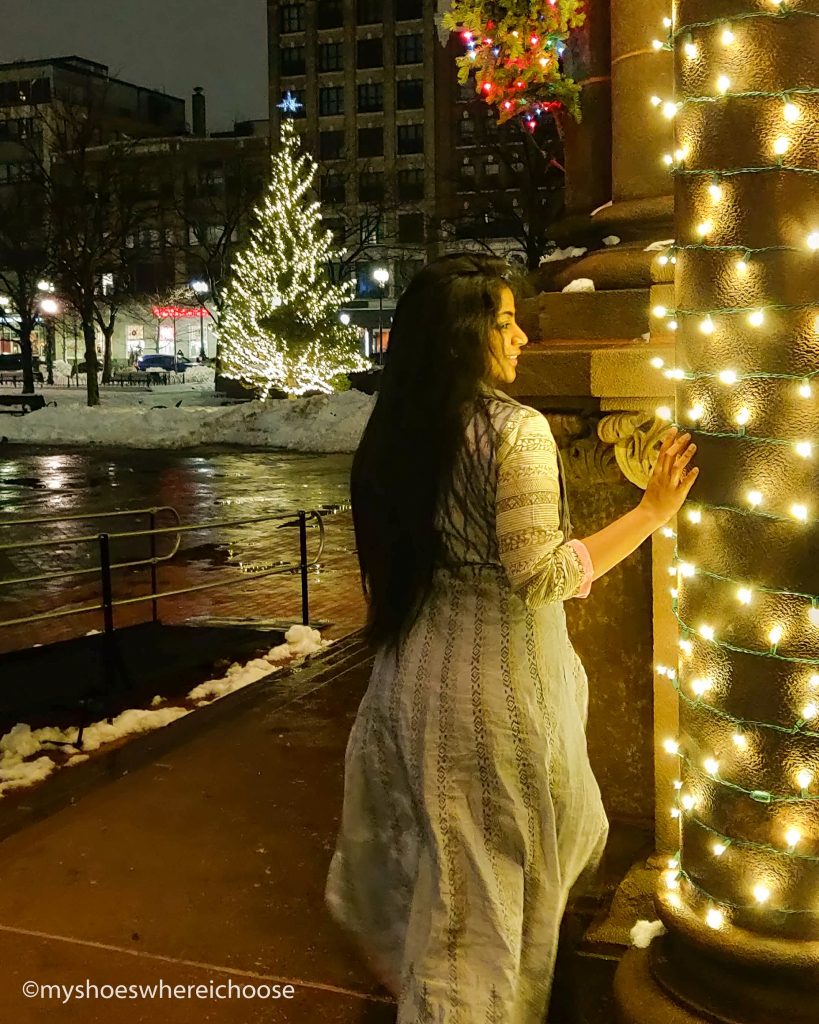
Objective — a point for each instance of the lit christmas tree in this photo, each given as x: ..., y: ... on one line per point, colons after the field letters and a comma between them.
x: 280, y: 327
x: 514, y: 49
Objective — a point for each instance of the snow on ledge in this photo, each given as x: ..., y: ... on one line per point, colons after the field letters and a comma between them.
x: 22, y: 743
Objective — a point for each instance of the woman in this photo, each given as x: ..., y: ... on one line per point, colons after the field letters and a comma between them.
x: 470, y: 808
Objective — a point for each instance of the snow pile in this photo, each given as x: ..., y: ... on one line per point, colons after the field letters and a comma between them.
x: 581, y: 284
x: 300, y: 641
x: 611, y: 240
x: 562, y: 254
x: 322, y: 423
x: 22, y: 742
x: 203, y: 376
x: 61, y: 370
x: 644, y: 931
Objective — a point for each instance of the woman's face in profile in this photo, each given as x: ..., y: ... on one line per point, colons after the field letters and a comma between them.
x: 506, y: 339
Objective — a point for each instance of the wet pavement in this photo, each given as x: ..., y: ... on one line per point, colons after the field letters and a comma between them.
x: 203, y: 487
x: 200, y: 860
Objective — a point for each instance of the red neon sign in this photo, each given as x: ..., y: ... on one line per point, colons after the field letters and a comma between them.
x: 177, y: 312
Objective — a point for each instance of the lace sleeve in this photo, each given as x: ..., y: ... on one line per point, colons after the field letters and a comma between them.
x: 540, y: 566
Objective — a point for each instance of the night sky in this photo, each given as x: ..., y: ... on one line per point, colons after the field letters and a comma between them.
x: 164, y: 44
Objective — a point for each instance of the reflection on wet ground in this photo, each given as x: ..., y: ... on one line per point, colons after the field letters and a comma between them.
x: 203, y: 487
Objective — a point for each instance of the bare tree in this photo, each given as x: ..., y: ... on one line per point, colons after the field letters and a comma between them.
x: 213, y: 210
x: 94, y: 205
x: 23, y: 258
x: 527, y: 197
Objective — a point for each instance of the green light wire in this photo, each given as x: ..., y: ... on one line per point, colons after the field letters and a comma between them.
x: 750, y: 843
x: 744, y: 650
x: 757, y: 375
x: 759, y: 796
x: 813, y: 598
x: 737, y: 171
x: 752, y: 513
x: 797, y: 729
x: 748, y: 250
x: 751, y: 94
x: 756, y: 438
x: 740, y: 906
x: 783, y: 11
x: 739, y: 310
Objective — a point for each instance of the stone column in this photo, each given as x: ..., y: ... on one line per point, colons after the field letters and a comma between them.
x: 641, y: 190
x: 741, y: 899
x: 587, y: 144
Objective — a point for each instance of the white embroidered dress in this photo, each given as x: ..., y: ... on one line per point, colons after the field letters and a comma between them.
x: 470, y: 808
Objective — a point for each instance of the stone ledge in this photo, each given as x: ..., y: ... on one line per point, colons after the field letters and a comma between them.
x: 628, y: 371
x: 608, y: 370
x: 625, y: 314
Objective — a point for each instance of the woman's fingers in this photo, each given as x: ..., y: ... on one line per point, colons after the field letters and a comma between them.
x: 690, y: 477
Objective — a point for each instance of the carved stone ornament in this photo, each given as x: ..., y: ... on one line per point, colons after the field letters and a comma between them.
x: 636, y: 439
x: 585, y: 460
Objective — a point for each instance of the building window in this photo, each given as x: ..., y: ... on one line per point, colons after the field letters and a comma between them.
x: 370, y: 97
x: 331, y: 145
x: 332, y: 188
x: 491, y: 170
x: 410, y: 138
x: 370, y: 141
x: 467, y: 175
x: 370, y: 53
x: 409, y: 49
x: 371, y: 187
x: 293, y: 60
x: 466, y: 90
x: 338, y: 228
x: 366, y: 287
x: 466, y: 132
x: 331, y: 101
x: 410, y: 94
x: 330, y: 13
x: 40, y: 90
x: 408, y: 10
x: 410, y: 183
x: 369, y: 12
x: 410, y: 227
x: 331, y: 57
x: 370, y: 230
x: 291, y: 18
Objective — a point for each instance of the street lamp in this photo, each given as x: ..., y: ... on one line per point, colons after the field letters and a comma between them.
x: 50, y: 307
x: 201, y: 288
x: 381, y: 275
x: 344, y: 318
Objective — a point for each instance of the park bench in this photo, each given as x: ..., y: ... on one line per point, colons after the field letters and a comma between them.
x: 130, y: 377
x: 26, y: 403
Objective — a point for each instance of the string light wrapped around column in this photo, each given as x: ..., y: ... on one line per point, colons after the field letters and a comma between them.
x: 743, y: 890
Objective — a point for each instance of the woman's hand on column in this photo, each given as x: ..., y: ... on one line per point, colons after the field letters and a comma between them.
x: 670, y: 480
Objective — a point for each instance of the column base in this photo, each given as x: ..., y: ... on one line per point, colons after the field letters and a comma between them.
x: 640, y: 1000
x: 674, y: 982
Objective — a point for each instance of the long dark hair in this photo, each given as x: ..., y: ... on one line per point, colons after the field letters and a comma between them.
x: 438, y: 356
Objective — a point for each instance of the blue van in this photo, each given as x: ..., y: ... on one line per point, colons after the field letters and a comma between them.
x: 162, y: 361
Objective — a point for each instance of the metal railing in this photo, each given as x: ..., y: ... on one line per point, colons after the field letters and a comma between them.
x: 105, y: 566
x: 100, y: 543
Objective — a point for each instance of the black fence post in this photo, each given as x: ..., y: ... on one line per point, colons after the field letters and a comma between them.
x: 105, y: 573
x: 154, y: 587
x: 305, y: 600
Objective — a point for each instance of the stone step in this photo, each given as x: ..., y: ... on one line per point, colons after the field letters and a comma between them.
x: 621, y: 314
